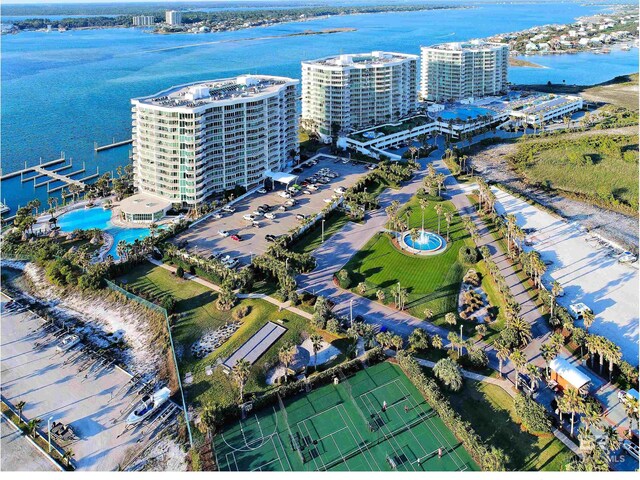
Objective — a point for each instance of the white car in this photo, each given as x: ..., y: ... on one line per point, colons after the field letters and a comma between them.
x: 339, y: 190
x: 249, y: 217
x: 262, y: 191
x: 306, y: 192
x: 257, y: 213
x: 270, y: 216
x: 284, y: 194
x: 627, y: 257
x: 228, y: 209
x: 217, y: 216
x: 328, y: 200
x: 312, y: 187
x: 223, y: 233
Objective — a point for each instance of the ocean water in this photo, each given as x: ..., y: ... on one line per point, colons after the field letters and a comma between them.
x: 65, y: 91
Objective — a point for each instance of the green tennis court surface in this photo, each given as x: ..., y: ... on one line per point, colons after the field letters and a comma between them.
x: 343, y: 427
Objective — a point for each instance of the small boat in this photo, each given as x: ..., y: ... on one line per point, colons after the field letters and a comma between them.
x: 67, y: 342
x: 148, y: 405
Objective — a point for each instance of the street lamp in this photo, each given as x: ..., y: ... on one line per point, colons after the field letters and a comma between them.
x: 351, y: 312
x: 49, y: 431
x: 323, y: 230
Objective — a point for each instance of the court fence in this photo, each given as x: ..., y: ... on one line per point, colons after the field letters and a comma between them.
x: 163, y: 312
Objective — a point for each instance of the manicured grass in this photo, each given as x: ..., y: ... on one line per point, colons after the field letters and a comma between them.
x: 599, y: 168
x: 432, y: 281
x: 489, y: 410
x: 312, y: 239
x: 197, y: 315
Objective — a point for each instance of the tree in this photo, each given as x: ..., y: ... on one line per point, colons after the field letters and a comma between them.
x: 436, y: 341
x: 423, y: 204
x: 439, y: 209
x: 32, y: 426
x: 534, y: 375
x: 397, y: 342
x: 502, y: 352
x: 179, y: 271
x: 448, y: 373
x: 384, y: 339
x: 573, y: 403
x: 450, y: 319
x: 533, y: 416
x: 226, y: 298
x: 428, y: 314
x: 286, y: 354
x: 611, y: 439
x: 208, y: 420
x: 380, y: 296
x: 240, y: 372
x: 67, y: 456
x: 556, y: 290
x: 20, y: 407
x: 448, y: 217
x: 548, y: 353
x: 613, y: 355
x: 419, y: 340
x: 522, y: 330
x: 588, y: 317
x: 316, y: 345
x: 519, y: 361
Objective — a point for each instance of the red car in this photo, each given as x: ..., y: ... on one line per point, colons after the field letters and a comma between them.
x: 237, y: 238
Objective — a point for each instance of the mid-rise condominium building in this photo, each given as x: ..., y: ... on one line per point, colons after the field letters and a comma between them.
x: 458, y: 71
x: 173, y: 17
x: 143, y: 20
x: 193, y: 141
x: 349, y: 92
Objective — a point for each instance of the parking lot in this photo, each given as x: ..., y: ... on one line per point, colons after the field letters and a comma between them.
x: 91, y: 402
x: 205, y: 239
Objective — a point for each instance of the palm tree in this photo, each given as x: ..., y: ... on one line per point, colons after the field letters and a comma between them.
x: 574, y: 402
x: 397, y: 342
x: 316, y: 345
x: 454, y: 340
x: 450, y: 319
x: 240, y: 373
x: 548, y: 353
x: 286, y: 354
x: 556, y: 289
x: 440, y: 179
x: 613, y: 354
x: 588, y: 317
x: 438, y: 209
x: 448, y: 217
x: 612, y: 440
x: 502, y: 352
x: 423, y: 204
x: 380, y: 296
x: 20, y: 407
x: 631, y: 409
x: 207, y: 420
x: 522, y: 329
x: 447, y: 371
x: 67, y: 456
x: 384, y: 339
x: 436, y: 341
x: 534, y: 375
x: 32, y: 426
x: 428, y: 314
x: 419, y: 340
x: 519, y: 361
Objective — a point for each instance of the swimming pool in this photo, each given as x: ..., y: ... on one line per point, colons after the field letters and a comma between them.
x: 96, y: 217
x: 463, y: 113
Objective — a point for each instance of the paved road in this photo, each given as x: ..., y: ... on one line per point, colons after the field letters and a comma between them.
x: 19, y: 454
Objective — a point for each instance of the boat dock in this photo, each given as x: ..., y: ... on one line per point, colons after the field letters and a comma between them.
x: 113, y: 144
x: 31, y: 169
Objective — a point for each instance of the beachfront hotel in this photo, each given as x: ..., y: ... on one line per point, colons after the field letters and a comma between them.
x: 463, y: 70
x: 196, y: 140
x: 358, y: 90
x: 173, y: 17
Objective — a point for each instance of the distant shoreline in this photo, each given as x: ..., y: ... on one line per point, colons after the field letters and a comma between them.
x: 518, y: 62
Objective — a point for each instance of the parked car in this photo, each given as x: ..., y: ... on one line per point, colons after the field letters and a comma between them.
x: 290, y: 203
x: 214, y: 255
x: 270, y: 216
x: 217, y: 216
x: 266, y: 207
x: 236, y: 237
x: 262, y: 191
x: 627, y: 257
x: 223, y: 233
x: 258, y: 212
x: 228, y: 209
x: 270, y: 238
x: 284, y: 194
x: 249, y: 217
x: 312, y: 187
x: 282, y: 208
x: 306, y: 192
x: 340, y: 190
x: 300, y: 216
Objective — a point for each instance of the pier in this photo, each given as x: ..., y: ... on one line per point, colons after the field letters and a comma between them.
x: 113, y: 144
x: 32, y: 169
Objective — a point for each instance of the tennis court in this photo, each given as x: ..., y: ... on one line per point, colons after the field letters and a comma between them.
x: 345, y: 427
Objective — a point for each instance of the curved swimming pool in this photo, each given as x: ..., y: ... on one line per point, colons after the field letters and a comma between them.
x: 427, y: 242
x: 97, y: 217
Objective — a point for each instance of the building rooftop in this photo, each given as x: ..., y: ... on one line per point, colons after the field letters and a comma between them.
x: 363, y: 60
x: 471, y: 45
x: 212, y: 91
x: 144, y: 203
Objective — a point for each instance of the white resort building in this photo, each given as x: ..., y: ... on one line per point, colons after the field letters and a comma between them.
x: 196, y: 140
x: 463, y: 70
x: 349, y: 92
x: 173, y: 17
x: 143, y: 21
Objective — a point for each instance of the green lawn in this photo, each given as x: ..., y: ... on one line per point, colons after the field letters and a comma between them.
x: 490, y: 411
x: 598, y: 168
x: 198, y: 315
x: 432, y: 281
x: 312, y: 239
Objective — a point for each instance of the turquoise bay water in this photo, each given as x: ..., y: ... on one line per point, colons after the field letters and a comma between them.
x: 63, y: 91
x: 85, y: 219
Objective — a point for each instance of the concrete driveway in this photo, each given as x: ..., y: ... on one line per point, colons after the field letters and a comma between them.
x: 204, y: 238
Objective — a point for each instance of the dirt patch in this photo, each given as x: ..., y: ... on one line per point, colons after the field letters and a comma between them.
x: 492, y: 164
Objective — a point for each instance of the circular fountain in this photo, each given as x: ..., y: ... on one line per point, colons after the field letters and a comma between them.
x: 427, y: 243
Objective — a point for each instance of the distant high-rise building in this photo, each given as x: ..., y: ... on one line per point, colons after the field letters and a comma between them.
x: 173, y: 17
x: 350, y: 92
x: 143, y: 21
x: 456, y: 71
x: 195, y: 140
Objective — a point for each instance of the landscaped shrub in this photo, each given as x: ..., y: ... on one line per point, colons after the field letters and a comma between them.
x: 448, y: 373
x: 468, y: 255
x: 192, y: 269
x: 344, y: 279
x: 180, y: 271
x: 169, y: 303
x: 533, y: 416
x: 241, y: 312
x: 333, y: 326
